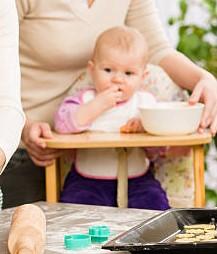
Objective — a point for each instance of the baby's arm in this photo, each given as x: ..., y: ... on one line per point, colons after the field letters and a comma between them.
x: 103, y: 101
x: 74, y: 116
x: 64, y: 120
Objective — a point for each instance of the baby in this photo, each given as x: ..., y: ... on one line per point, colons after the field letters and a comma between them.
x: 117, y: 69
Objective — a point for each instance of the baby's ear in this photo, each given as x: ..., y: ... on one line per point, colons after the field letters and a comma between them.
x: 90, y: 66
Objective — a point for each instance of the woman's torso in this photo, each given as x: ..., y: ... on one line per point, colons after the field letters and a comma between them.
x: 57, y: 38
x: 56, y: 41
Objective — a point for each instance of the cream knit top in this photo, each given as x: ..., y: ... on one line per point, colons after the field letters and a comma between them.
x: 57, y: 39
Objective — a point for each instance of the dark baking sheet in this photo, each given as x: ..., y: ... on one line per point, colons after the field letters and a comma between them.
x: 157, y: 234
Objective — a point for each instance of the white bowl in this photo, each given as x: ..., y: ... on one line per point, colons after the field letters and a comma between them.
x: 171, y: 118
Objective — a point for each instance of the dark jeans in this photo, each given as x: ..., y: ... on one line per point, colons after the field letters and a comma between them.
x: 22, y: 181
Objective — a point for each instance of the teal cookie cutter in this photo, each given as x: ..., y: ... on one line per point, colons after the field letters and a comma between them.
x: 99, y: 234
x: 77, y: 241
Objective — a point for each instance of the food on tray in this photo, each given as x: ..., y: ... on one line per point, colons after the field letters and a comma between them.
x: 205, y: 237
x: 211, y: 240
x: 197, y: 233
x: 184, y: 236
x: 200, y: 226
x: 209, y: 230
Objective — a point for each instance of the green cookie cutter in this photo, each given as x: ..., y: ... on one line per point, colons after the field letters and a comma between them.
x: 99, y: 234
x: 77, y: 241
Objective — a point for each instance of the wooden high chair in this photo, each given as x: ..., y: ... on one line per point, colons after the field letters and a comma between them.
x: 117, y: 140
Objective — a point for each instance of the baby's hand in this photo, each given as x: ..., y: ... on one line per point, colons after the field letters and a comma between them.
x: 110, y: 97
x: 134, y: 125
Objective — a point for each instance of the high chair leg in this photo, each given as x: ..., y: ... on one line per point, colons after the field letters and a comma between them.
x: 52, y: 183
x: 199, y: 176
x: 122, y: 178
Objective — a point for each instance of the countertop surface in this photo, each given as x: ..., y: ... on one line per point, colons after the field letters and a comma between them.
x: 69, y: 219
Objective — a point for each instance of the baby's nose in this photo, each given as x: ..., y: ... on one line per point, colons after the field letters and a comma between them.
x: 118, y: 78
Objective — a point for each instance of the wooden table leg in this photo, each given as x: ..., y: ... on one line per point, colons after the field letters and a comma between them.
x: 52, y: 183
x: 198, y: 152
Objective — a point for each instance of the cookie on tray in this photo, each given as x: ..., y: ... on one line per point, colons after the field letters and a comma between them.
x: 200, y: 226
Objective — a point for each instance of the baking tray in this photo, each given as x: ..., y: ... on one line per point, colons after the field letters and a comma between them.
x: 157, y: 234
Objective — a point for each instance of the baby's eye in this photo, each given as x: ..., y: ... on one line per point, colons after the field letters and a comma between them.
x: 107, y: 70
x: 128, y: 73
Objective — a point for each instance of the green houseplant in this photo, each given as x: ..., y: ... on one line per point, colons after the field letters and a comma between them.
x: 199, y: 43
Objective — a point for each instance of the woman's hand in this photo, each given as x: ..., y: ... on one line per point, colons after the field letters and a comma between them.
x: 32, y: 136
x: 206, y: 92
x: 134, y: 125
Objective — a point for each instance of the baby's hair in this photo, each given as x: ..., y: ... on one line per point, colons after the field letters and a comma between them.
x: 122, y: 38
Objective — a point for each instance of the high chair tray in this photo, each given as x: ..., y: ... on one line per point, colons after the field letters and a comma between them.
x: 158, y: 234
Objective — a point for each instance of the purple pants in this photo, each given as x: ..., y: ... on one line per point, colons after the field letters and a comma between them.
x: 144, y: 192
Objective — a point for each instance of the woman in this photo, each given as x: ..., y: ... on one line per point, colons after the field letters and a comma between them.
x: 56, y: 41
x: 12, y: 117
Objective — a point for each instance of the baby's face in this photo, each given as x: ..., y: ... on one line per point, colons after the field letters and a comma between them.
x: 116, y: 68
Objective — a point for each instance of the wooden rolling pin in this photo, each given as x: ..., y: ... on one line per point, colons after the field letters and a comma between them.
x: 28, y: 230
